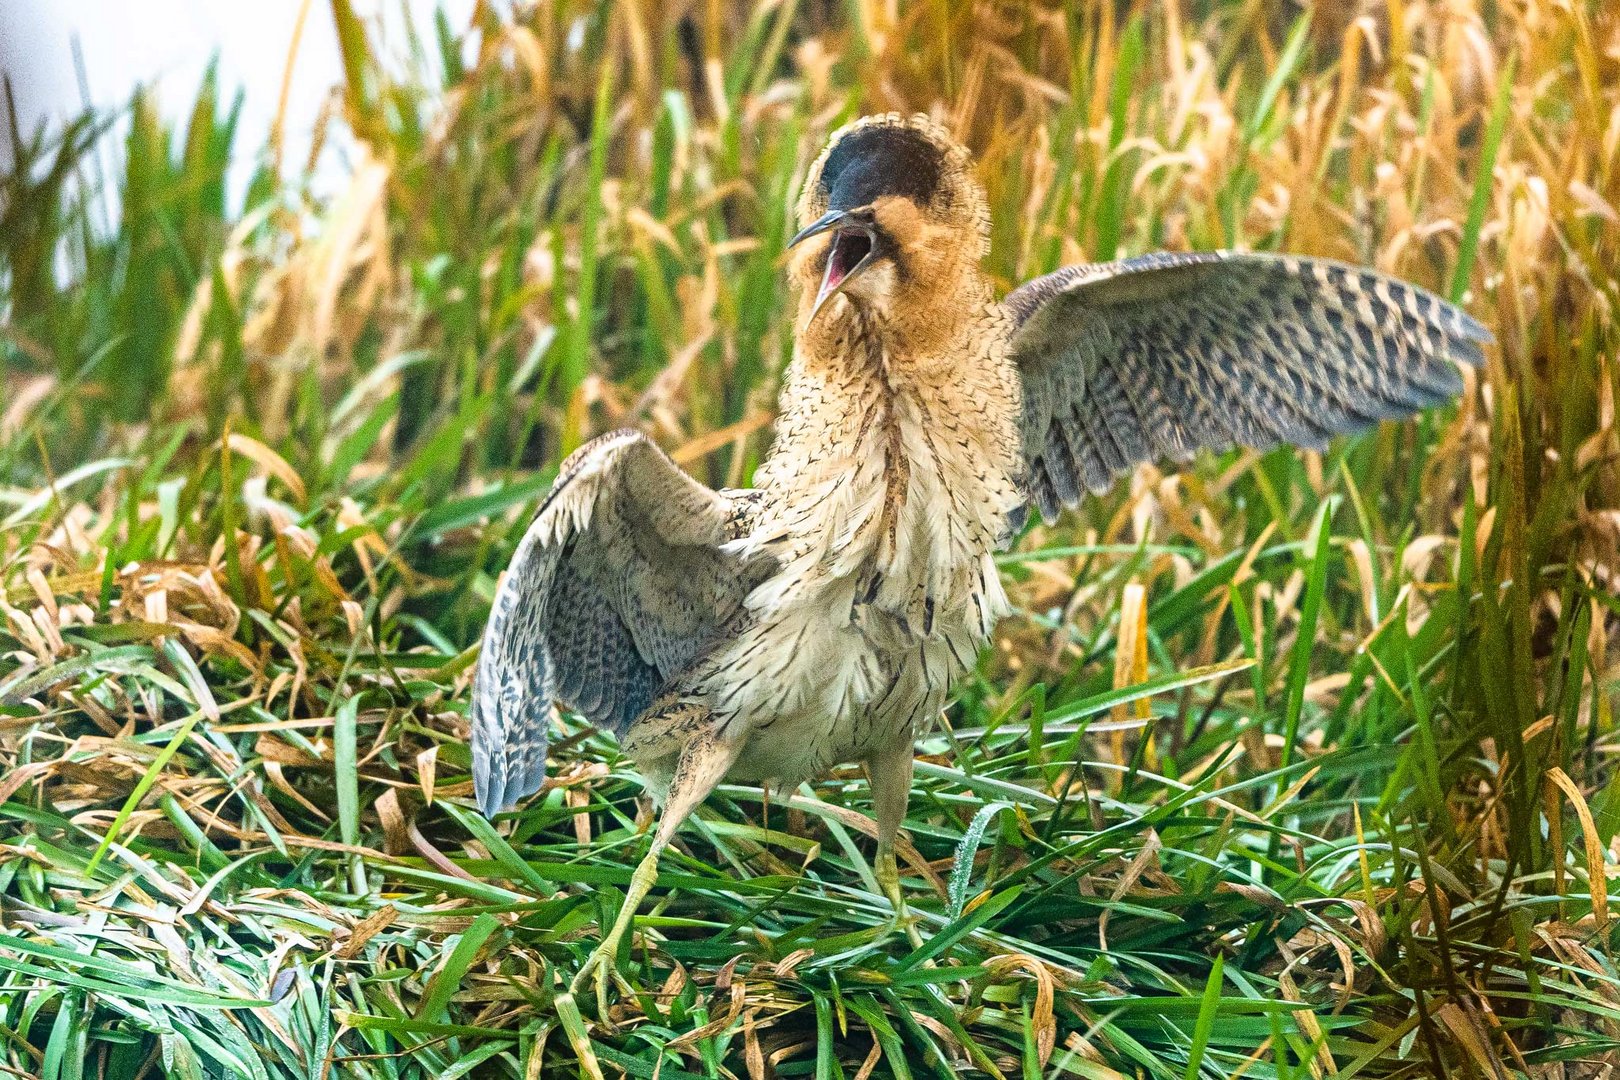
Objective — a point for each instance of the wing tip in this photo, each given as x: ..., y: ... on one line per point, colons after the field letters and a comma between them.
x: 505, y: 770
x: 488, y: 794
x: 1471, y: 329
x: 488, y: 763
x: 1469, y: 346
x: 500, y: 788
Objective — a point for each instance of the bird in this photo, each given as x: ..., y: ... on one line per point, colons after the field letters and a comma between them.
x: 820, y: 616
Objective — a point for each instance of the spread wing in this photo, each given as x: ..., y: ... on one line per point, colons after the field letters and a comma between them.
x: 618, y: 584
x: 1160, y: 356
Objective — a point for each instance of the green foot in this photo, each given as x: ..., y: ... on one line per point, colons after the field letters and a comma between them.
x: 887, y: 873
x: 600, y: 970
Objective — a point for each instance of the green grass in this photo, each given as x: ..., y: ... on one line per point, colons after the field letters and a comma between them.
x: 1349, y: 811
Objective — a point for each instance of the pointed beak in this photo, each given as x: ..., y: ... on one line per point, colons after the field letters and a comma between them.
x: 826, y: 221
x: 853, y: 245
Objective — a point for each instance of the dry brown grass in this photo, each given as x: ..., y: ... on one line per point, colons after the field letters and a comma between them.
x: 235, y: 663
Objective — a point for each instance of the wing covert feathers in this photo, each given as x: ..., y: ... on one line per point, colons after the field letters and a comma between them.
x: 1160, y: 356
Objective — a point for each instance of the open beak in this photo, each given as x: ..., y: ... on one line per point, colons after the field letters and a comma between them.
x: 853, y: 243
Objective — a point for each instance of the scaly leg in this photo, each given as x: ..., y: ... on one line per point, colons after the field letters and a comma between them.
x: 702, y: 765
x: 889, y: 772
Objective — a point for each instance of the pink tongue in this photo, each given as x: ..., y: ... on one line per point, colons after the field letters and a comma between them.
x: 835, y: 263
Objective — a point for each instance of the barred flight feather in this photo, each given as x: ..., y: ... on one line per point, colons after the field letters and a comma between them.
x: 618, y: 584
x: 1163, y: 355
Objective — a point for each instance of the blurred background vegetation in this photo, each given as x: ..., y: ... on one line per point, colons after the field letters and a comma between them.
x: 1292, y: 764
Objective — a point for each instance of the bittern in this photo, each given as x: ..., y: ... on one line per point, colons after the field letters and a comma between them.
x: 821, y: 616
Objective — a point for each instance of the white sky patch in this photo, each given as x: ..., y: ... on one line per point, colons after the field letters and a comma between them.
x: 169, y: 43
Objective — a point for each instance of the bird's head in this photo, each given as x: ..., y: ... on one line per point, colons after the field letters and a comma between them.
x: 892, y: 220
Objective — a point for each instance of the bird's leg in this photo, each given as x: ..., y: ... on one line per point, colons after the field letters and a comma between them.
x: 702, y: 765
x: 889, y: 772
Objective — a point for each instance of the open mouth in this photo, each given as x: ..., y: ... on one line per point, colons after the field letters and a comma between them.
x: 850, y: 247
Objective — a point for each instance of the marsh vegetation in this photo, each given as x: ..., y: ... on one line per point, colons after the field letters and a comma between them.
x: 1290, y: 765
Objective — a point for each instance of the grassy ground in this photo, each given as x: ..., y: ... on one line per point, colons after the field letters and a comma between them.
x: 1291, y: 765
